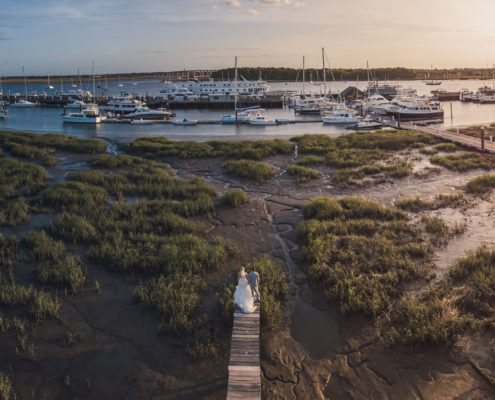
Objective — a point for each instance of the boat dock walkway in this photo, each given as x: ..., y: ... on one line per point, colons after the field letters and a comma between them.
x: 487, y: 145
x: 244, y: 366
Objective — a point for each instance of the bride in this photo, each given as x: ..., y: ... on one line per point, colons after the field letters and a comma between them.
x: 243, y: 296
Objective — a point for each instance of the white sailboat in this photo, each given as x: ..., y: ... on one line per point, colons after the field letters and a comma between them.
x: 24, y: 102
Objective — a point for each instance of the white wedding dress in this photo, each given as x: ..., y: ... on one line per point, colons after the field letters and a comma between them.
x: 243, y: 296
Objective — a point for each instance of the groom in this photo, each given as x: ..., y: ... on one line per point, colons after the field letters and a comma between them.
x: 253, y: 279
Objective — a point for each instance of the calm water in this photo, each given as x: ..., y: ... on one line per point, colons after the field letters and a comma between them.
x: 49, y: 119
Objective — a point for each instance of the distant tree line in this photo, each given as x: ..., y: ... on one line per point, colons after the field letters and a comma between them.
x: 292, y: 74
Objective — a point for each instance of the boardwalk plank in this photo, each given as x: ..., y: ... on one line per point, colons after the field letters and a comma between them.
x: 244, y: 366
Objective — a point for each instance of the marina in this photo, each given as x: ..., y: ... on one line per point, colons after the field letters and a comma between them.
x: 209, y: 126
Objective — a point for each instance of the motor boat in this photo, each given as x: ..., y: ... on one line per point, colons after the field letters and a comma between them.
x: 339, y: 116
x: 374, y: 102
x: 90, y: 115
x: 412, y: 109
x: 186, y: 122
x: 123, y: 105
x: 466, y: 95
x: 312, y: 105
x: 76, y: 104
x: 148, y: 113
x: 367, y: 124
x: 261, y: 120
x: 141, y: 122
x: 3, y: 109
x: 23, y: 103
x: 243, y: 117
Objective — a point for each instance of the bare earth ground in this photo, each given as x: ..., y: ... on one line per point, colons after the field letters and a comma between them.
x: 109, y: 346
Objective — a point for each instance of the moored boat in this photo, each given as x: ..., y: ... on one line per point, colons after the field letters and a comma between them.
x: 186, y: 122
x: 261, y: 120
x: 149, y: 114
x: 90, y: 115
x: 339, y: 116
x: 141, y: 122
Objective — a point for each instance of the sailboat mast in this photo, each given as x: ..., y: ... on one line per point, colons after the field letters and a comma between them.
x: 235, y: 88
x: 304, y: 75
x: 94, y: 90
x: 25, y: 82
x: 61, y: 84
x: 324, y: 73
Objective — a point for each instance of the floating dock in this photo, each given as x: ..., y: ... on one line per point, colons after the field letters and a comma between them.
x: 244, y: 365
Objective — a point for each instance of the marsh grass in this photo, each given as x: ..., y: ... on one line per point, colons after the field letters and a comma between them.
x: 426, y: 321
x: 377, y: 172
x: 203, y: 343
x: 41, y: 305
x: 15, y: 212
x: 73, y: 228
x: 176, y: 299
x: 109, y: 161
x: 235, y: 198
x: 474, y: 275
x: 310, y: 160
x: 460, y: 162
x: 226, y: 305
x: 385, y: 140
x: 258, y: 171
x: 54, y: 264
x: 304, y: 174
x: 361, y: 252
x: 481, y: 184
x: 160, y: 147
x: 416, y: 204
x: 20, y: 179
x: 52, y: 141
x: 73, y: 196
x: 273, y: 291
x: 7, y: 391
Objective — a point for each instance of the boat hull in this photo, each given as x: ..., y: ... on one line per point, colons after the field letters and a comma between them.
x: 408, y: 116
x: 96, y: 120
x: 334, y: 120
x: 262, y: 123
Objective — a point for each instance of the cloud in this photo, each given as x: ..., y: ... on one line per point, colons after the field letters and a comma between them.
x: 234, y: 3
x: 252, y: 12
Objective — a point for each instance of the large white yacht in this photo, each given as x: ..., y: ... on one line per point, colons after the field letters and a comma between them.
x: 145, y: 113
x: 412, y: 109
x: 90, y: 115
x: 123, y: 105
x: 209, y: 87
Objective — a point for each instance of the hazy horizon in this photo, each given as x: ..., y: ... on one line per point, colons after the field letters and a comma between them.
x: 58, y: 37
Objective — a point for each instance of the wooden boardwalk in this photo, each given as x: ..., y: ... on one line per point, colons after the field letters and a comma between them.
x: 468, y: 141
x: 244, y: 365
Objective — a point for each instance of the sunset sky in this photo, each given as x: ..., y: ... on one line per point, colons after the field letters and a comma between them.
x: 59, y: 36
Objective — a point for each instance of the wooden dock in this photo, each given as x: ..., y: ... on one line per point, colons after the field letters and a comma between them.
x: 244, y: 365
x: 487, y: 145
